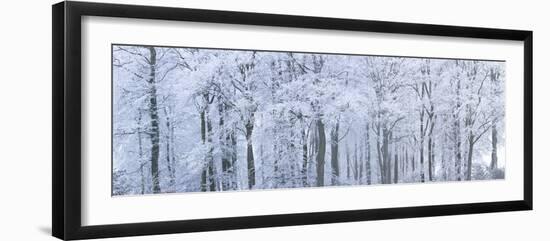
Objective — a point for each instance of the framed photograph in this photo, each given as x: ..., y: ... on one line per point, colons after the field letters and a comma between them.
x: 171, y: 120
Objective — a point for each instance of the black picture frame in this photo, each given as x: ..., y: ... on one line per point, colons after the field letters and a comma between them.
x: 66, y: 141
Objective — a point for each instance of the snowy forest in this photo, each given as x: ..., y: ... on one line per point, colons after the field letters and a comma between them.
x: 209, y: 120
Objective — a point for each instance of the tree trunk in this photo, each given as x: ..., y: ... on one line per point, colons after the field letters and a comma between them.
x: 422, y: 131
x: 380, y: 156
x: 334, y: 154
x: 207, y: 175
x: 403, y: 162
x: 395, y: 168
x: 348, y: 162
x: 276, y: 157
x: 470, y: 154
x: 389, y: 157
x: 225, y: 145
x: 233, y: 141
x: 140, y: 149
x: 406, y: 161
x: 494, y: 141
x: 457, y: 135
x: 169, y: 157
x: 367, y: 154
x: 413, y: 162
x: 210, y: 155
x: 444, y: 165
x: 321, y: 153
x: 204, y: 172
x: 433, y: 161
x: 430, y: 158
x: 168, y: 164
x: 304, y: 157
x: 355, y: 162
x: 361, y: 161
x: 386, y: 156
x: 153, y: 114
x: 250, y: 155
x: 313, y: 150
x: 292, y: 160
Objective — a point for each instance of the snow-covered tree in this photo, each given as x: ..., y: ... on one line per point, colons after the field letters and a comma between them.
x: 190, y: 120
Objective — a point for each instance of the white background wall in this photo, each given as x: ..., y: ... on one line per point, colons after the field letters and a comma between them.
x: 25, y: 119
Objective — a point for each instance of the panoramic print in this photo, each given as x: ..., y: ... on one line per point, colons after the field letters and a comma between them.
x: 212, y: 120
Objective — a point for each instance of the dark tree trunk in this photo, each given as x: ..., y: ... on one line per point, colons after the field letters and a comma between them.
x: 395, y: 168
x: 153, y: 114
x: 321, y: 153
x: 208, y: 182
x: 250, y: 155
x: 470, y: 154
x: 458, y: 155
x: 380, y: 157
x: 422, y: 131
x: 367, y: 154
x: 385, y: 157
x: 355, y: 162
x: 233, y: 141
x: 304, y: 158
x: 204, y: 172
x: 433, y: 160
x: 276, y: 153
x: 361, y: 161
x: 444, y: 165
x: 225, y: 144
x: 385, y: 166
x: 403, y: 162
x: 211, y: 177
x: 334, y: 154
x: 431, y: 143
x: 313, y: 149
x: 430, y: 158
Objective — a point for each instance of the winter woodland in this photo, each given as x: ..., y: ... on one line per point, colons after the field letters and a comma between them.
x: 209, y: 120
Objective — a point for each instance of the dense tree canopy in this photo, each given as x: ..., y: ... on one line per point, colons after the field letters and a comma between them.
x: 189, y: 120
